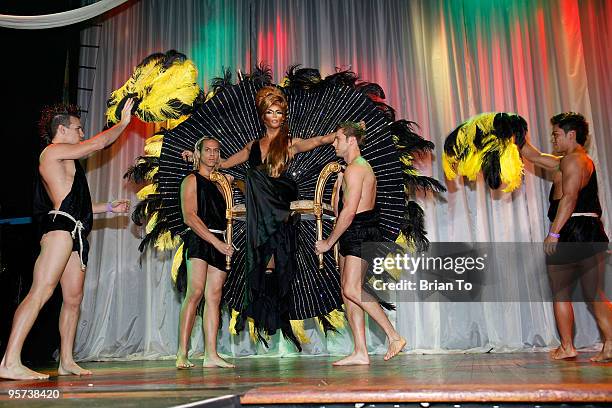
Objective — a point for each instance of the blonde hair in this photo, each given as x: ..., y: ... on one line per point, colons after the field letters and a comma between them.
x: 278, y: 152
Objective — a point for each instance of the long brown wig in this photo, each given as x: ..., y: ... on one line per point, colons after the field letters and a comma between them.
x: 278, y: 153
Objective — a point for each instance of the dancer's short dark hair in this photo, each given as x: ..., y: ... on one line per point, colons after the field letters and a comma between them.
x: 572, y: 121
x: 353, y: 129
x: 53, y: 116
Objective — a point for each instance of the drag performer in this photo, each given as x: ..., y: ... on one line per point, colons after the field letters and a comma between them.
x: 204, y: 252
x: 574, y: 214
x: 271, y: 227
x: 357, y: 222
x: 62, y: 205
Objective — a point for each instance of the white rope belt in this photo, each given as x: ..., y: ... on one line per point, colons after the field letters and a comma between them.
x: 588, y: 214
x: 78, y: 227
x: 224, y: 232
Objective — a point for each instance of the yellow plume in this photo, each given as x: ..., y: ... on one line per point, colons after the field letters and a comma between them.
x: 176, y: 263
x: 172, y: 88
x: 297, y: 326
x: 172, y: 123
x: 284, y: 83
x: 145, y: 191
x: 151, y: 173
x: 233, y: 321
x: 407, y: 160
x: 449, y: 165
x: 469, y: 154
x: 471, y: 164
x: 142, y: 74
x: 210, y: 95
x: 336, y: 318
x: 163, y: 84
x: 153, y: 149
x: 252, y: 330
x: 485, y: 121
x: 511, y: 167
x: 152, y: 222
x: 165, y: 241
x: 154, y: 138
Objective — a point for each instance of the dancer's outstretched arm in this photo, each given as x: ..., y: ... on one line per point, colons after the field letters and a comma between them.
x: 304, y: 145
x: 547, y: 161
x: 68, y: 151
x: 234, y: 160
x: 237, y: 158
x: 120, y: 206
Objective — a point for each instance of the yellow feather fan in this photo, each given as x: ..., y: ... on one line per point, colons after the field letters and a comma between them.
x: 163, y: 85
x: 488, y: 143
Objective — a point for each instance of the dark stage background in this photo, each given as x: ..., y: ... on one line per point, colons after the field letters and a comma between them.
x: 39, y: 68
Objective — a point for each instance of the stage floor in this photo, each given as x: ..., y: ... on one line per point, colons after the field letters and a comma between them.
x: 518, y: 377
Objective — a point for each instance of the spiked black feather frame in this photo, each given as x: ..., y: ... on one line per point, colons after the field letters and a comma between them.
x: 316, y: 106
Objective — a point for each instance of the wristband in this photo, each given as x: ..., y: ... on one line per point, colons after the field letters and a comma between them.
x: 109, y: 207
x: 554, y: 235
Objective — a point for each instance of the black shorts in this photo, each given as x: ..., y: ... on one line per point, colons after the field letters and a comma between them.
x: 581, y: 238
x: 363, y: 229
x: 196, y: 247
x: 58, y: 222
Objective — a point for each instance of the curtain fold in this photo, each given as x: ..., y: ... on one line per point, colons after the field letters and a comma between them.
x: 59, y: 19
x: 439, y: 62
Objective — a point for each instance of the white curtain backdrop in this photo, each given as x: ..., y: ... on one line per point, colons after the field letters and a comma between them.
x: 439, y: 63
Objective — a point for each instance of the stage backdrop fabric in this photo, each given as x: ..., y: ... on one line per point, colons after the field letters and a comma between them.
x: 439, y: 62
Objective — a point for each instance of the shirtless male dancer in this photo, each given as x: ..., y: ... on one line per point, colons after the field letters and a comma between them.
x: 574, y: 214
x: 357, y: 222
x: 63, y: 205
x: 203, y: 208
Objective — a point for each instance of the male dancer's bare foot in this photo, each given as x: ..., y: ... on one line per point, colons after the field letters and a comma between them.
x: 353, y: 359
x: 182, y: 363
x: 20, y: 372
x: 71, y: 368
x: 605, y: 354
x: 213, y: 362
x: 561, y: 353
x: 395, y: 346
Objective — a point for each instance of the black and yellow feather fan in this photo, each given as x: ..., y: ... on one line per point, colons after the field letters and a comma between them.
x: 490, y: 143
x: 163, y: 87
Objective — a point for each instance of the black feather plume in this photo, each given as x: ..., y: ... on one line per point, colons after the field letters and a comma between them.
x: 423, y: 183
x: 371, y: 89
x: 451, y: 142
x: 347, y: 78
x: 406, y: 139
x: 302, y: 78
x: 172, y: 57
x: 139, y: 213
x: 327, y: 325
x: 260, y: 76
x: 221, y: 83
x: 413, y: 226
x: 138, y: 172
x: 492, y: 169
x: 151, y: 237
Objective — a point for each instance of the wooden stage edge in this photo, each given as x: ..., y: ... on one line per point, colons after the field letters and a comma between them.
x: 433, y: 393
x: 265, y: 381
